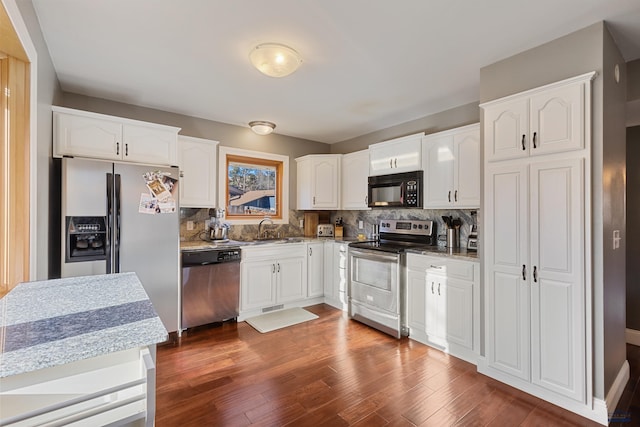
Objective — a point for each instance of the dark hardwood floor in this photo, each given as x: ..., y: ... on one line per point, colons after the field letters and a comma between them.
x: 336, y: 372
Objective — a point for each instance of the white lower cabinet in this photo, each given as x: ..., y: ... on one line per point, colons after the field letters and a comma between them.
x: 315, y: 269
x: 272, y: 275
x: 442, y: 304
x: 335, y: 274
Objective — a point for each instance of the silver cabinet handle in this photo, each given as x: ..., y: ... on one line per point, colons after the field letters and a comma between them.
x: 395, y: 163
x: 438, y: 288
x: 390, y: 163
x: 431, y: 287
x: 314, y: 200
x: 310, y: 251
x: 117, y: 148
x: 278, y: 267
x: 524, y: 272
x: 439, y: 267
x: 126, y: 149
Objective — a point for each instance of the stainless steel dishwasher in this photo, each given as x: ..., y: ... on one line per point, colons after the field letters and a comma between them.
x: 210, y: 285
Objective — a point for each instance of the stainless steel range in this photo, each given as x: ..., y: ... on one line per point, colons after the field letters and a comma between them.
x: 377, y: 286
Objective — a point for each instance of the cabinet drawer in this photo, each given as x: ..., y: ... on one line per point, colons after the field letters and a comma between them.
x: 451, y: 268
x: 273, y: 251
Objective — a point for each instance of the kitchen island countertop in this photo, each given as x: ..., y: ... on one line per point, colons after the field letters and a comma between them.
x: 54, y: 322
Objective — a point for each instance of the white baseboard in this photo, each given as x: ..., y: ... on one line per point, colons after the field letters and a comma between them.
x: 632, y: 336
x: 615, y: 392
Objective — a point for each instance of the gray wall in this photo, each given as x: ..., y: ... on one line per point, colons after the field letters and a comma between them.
x: 574, y: 54
x: 633, y: 228
x: 455, y: 117
x: 227, y: 135
x: 633, y: 81
x: 613, y: 208
x: 48, y: 91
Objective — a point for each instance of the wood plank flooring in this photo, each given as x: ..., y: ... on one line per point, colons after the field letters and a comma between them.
x: 331, y: 372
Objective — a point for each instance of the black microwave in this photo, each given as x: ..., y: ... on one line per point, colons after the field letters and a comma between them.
x: 398, y: 190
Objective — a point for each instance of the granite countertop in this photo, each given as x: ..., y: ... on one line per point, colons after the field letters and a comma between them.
x: 459, y: 253
x: 202, y: 244
x: 54, y: 322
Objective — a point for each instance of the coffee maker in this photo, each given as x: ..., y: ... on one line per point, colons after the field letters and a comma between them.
x: 472, y: 241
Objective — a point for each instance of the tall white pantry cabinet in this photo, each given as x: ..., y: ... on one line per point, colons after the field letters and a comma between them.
x: 536, y: 210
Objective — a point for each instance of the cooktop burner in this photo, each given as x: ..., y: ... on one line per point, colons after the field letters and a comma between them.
x: 397, y: 236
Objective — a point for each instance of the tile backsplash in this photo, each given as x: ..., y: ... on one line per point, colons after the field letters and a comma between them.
x: 350, y: 219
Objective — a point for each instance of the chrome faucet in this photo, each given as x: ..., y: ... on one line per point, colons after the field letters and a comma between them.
x: 266, y: 218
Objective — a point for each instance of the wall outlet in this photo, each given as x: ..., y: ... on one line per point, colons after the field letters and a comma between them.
x: 190, y: 225
x: 360, y: 225
x: 302, y: 223
x: 616, y: 239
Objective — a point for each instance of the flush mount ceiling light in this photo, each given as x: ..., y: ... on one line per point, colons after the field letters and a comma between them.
x: 275, y: 60
x: 261, y: 127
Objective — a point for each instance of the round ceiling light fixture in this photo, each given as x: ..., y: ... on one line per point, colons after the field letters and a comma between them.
x: 262, y: 127
x: 275, y: 60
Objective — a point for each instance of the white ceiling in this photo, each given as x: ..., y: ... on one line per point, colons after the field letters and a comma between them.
x: 368, y: 64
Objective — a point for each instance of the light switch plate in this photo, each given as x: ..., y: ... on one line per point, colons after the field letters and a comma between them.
x: 360, y: 225
x: 190, y: 225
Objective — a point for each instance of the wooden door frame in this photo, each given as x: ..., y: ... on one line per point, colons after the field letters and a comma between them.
x: 30, y: 129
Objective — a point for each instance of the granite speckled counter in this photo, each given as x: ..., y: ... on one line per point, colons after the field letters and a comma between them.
x: 55, y: 322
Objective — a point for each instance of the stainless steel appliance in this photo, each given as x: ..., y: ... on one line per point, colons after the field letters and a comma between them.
x: 325, y: 230
x: 210, y: 285
x: 400, y: 190
x: 104, y: 231
x: 377, y: 288
x: 472, y: 241
x: 217, y: 229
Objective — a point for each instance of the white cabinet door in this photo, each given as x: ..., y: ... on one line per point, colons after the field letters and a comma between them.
x: 87, y: 137
x: 466, y: 150
x: 507, y: 288
x: 544, y: 121
x: 152, y: 145
x: 325, y: 182
x: 329, y: 274
x: 506, y: 128
x: 557, y: 291
x: 456, y: 307
x: 439, y: 160
x: 292, y: 280
x: 355, y: 174
x: 557, y: 120
x: 315, y: 269
x: 396, y: 155
x: 318, y: 182
x: 434, y: 308
x: 452, y: 168
x: 258, y: 284
x: 416, y: 301
x: 198, y: 171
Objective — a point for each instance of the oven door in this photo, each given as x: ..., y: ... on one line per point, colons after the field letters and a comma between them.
x: 375, y: 279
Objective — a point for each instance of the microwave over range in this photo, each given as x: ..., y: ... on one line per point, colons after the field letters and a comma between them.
x: 398, y: 190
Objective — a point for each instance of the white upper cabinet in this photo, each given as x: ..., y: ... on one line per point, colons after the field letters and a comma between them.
x: 451, y: 161
x: 198, y: 167
x: 318, y: 182
x: 396, y: 155
x: 355, y: 174
x: 540, y: 121
x: 98, y: 136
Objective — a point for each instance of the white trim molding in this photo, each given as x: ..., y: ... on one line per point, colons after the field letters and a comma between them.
x: 633, y: 336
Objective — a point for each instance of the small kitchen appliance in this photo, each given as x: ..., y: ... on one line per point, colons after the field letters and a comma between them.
x: 325, y: 230
x: 472, y: 242
x: 399, y: 190
x: 217, y: 229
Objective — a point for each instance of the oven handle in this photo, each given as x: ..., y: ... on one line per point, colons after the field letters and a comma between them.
x: 373, y: 255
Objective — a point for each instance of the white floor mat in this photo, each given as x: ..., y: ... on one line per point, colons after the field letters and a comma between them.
x: 280, y: 319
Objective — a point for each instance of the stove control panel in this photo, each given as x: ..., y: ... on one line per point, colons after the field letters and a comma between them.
x: 408, y: 226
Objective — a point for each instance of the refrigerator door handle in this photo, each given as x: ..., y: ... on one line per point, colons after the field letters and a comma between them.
x: 116, y: 225
x: 108, y: 240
